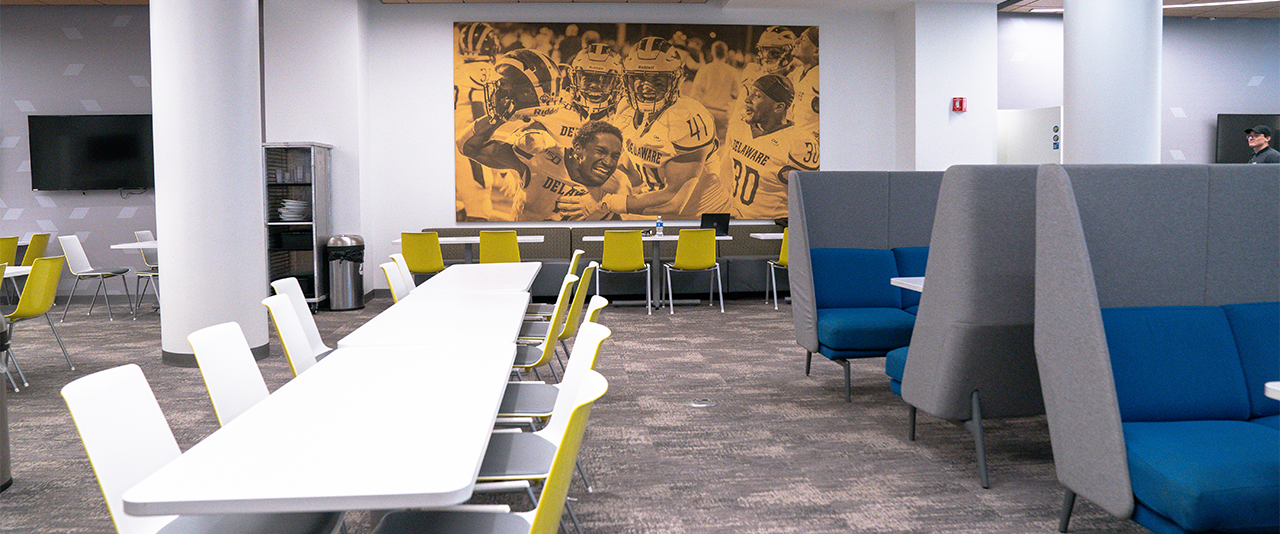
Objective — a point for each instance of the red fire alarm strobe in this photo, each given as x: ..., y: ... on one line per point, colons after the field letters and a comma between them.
x: 958, y: 104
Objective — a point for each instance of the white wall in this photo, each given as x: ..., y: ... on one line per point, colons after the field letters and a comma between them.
x: 1029, y: 136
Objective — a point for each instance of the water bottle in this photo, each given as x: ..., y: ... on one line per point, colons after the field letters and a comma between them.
x: 658, y: 226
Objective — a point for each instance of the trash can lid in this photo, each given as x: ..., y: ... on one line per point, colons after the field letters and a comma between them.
x: 346, y: 240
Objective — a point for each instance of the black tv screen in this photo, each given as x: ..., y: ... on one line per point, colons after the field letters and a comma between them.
x: 1232, y: 146
x: 91, y: 152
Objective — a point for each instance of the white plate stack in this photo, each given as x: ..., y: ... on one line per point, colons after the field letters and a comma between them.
x: 294, y: 210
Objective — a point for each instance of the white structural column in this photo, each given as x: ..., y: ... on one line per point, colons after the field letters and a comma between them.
x: 1111, y: 81
x: 208, y: 161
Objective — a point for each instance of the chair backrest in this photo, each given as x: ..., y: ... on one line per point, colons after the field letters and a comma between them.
x: 783, y: 255
x: 575, y: 260
x: 394, y: 280
x: 402, y: 268
x: 292, y: 336
x: 557, y: 320
x: 289, y: 286
x: 499, y: 246
x: 597, y: 304
x: 546, y: 519
x: 230, y: 373
x: 579, y: 299
x: 422, y: 251
x: 716, y: 221
x: 623, y: 251
x: 77, y: 261
x: 36, y: 247
x: 695, y: 249
x: 125, y: 436
x: 41, y: 289
x: 149, y: 256
x: 9, y: 250
x: 586, y: 352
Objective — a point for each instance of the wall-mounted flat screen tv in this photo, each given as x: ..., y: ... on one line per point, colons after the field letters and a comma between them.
x: 91, y: 152
x: 1232, y: 146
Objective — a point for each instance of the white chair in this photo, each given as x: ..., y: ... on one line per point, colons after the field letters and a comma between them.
x: 79, y: 265
x: 395, y: 281
x: 403, y: 266
x: 151, y: 276
x: 292, y: 336
x: 126, y: 438
x: 289, y: 286
x: 230, y: 373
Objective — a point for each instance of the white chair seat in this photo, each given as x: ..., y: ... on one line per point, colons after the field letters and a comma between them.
x: 516, y: 456
x: 528, y: 399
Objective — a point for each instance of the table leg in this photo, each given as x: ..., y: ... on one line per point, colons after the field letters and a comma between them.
x: 468, y: 253
x: 656, y: 277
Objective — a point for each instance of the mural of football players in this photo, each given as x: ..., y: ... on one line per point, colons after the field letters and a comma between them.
x: 593, y: 87
x: 669, y: 140
x: 526, y: 89
x: 804, y: 112
x: 765, y: 147
x: 478, y: 46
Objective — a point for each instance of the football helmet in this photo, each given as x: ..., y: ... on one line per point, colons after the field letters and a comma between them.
x: 596, y: 79
x: 651, y: 75
x: 522, y: 79
x: 478, y: 41
x: 773, y: 49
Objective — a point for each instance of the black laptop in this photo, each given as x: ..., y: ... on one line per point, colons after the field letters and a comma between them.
x: 719, y: 221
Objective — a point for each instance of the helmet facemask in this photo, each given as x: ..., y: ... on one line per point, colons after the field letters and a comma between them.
x: 596, y: 91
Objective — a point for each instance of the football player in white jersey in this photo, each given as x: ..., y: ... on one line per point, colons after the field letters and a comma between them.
x: 594, y: 82
x: 804, y: 111
x: 765, y: 147
x: 669, y: 141
x: 525, y: 91
x: 477, y: 46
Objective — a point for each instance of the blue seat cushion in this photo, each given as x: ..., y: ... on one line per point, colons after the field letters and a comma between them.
x: 1219, y: 476
x: 895, y: 365
x: 854, y: 278
x: 1175, y: 363
x: 863, y: 329
x: 1256, y: 328
x: 911, y: 262
x: 913, y: 310
x: 1272, y: 421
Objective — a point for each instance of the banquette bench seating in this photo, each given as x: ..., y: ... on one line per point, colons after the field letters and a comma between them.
x: 1157, y: 326
x: 850, y: 233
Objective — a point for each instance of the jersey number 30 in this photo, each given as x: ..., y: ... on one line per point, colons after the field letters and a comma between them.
x: 746, y: 181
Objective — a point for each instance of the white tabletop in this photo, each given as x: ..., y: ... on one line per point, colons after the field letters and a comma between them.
x: 136, y: 245
x: 664, y: 237
x: 914, y: 283
x: 1273, y: 390
x: 767, y: 236
x: 475, y: 239
x: 362, y: 429
x: 439, y: 317
x: 483, y: 277
x: 12, y: 271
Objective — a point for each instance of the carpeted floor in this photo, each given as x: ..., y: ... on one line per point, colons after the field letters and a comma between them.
x: 779, y: 452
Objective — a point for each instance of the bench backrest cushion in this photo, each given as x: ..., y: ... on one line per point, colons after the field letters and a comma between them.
x: 1256, y: 328
x: 854, y: 278
x: 911, y: 262
x: 1175, y: 363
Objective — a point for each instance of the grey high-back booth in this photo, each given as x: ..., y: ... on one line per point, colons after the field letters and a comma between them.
x: 851, y: 209
x: 1135, y: 235
x: 971, y: 351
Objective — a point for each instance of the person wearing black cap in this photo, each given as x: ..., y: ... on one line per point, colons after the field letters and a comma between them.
x: 765, y: 146
x: 1260, y: 142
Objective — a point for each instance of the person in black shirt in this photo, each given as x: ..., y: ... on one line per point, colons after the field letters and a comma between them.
x: 1260, y: 142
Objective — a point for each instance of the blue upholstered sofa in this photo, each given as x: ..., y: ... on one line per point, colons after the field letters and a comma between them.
x: 859, y: 314
x: 1203, y: 440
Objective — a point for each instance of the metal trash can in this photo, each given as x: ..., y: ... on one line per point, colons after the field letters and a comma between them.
x: 345, y: 254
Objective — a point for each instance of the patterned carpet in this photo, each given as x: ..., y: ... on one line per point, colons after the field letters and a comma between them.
x: 779, y: 452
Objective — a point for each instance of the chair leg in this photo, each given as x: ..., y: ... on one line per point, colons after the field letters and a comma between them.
x: 573, y: 517
x: 1064, y: 517
x: 648, y: 295
x: 95, y: 299
x: 69, y: 297
x: 127, y: 297
x: 566, y: 352
x: 911, y: 423
x: 583, y: 473
x: 720, y: 287
x: 14, y: 360
x: 773, y: 284
x: 671, y: 294
x: 808, y: 360
x: 974, y: 426
x: 848, y: 383
x: 60, y: 345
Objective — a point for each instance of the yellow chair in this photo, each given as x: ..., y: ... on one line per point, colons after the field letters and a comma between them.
x: 695, y: 251
x: 531, y: 357
x: 422, y: 252
x: 9, y: 250
x: 499, y: 246
x: 541, y: 310
x: 37, y: 300
x: 574, y: 319
x: 151, y: 276
x: 624, y: 253
x: 35, y: 249
x: 781, y: 263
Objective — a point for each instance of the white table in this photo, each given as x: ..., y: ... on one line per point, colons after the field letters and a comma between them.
x: 362, y: 429
x: 468, y: 253
x: 444, y: 318
x: 914, y: 283
x: 767, y: 236
x: 136, y: 245
x: 483, y: 277
x: 655, y: 251
x: 1273, y: 390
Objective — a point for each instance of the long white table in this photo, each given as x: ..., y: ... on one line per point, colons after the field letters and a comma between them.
x: 448, y: 318
x: 367, y: 428
x: 483, y: 277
